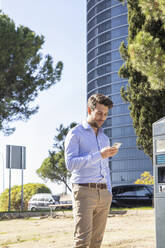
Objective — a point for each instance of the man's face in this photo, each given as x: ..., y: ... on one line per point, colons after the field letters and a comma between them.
x: 97, y: 116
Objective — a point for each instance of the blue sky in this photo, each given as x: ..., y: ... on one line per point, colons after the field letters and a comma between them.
x: 63, y: 24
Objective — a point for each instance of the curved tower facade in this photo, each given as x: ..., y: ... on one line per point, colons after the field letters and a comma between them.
x: 107, y: 27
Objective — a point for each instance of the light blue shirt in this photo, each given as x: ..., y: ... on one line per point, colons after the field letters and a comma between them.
x: 83, y: 157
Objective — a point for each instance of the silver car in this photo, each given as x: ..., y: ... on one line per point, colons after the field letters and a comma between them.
x: 41, y: 201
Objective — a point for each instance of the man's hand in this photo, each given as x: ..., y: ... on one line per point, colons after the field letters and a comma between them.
x: 108, y: 151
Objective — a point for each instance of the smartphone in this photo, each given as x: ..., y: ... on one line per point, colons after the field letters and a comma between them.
x: 117, y: 145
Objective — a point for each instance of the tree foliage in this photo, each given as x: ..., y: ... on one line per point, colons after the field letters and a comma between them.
x: 24, y: 72
x: 144, y: 57
x: 53, y: 168
x: 145, y: 178
x: 148, y: 57
x: 147, y: 50
x: 153, y: 9
x: 29, y: 190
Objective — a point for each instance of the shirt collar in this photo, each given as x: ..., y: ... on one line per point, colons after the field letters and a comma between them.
x: 86, y: 125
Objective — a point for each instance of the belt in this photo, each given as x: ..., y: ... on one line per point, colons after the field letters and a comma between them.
x: 94, y: 185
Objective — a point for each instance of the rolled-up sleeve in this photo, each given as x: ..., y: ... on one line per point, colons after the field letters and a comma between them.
x: 73, y: 159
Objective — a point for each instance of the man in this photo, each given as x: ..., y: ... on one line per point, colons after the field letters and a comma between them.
x: 86, y: 153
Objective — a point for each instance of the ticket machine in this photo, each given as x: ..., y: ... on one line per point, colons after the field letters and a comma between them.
x: 159, y: 180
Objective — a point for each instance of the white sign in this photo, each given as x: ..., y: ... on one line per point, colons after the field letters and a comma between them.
x: 160, y: 145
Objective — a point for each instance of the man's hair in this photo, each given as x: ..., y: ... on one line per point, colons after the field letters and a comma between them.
x: 101, y: 99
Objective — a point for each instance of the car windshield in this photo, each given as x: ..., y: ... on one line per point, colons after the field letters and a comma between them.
x: 56, y: 197
x: 151, y: 188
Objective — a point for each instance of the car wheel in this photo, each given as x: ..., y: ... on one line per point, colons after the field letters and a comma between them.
x: 33, y: 209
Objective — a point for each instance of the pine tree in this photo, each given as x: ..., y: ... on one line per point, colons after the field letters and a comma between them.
x: 145, y: 92
x: 24, y: 72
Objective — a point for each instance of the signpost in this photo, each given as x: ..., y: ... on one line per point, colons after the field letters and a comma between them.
x: 15, y: 159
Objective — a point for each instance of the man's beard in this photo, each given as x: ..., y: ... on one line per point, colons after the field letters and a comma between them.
x: 94, y: 124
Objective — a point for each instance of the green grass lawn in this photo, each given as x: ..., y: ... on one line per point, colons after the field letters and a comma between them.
x: 131, y: 208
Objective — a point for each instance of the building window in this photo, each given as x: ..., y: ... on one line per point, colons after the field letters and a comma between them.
x: 90, y: 4
x: 115, y: 77
x: 116, y: 87
x: 92, y: 44
x: 118, y: 32
x: 91, y: 13
x: 105, y: 90
x: 127, y: 142
x: 108, y: 122
x: 119, y: 10
x: 115, y: 44
x: 116, y: 98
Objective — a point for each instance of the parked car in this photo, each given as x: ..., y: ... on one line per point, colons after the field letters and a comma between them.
x: 132, y: 195
x: 66, y: 199
x: 41, y: 201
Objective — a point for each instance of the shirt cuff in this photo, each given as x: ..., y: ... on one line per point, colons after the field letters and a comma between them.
x: 96, y: 157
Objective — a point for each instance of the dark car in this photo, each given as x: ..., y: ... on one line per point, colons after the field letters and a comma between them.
x: 132, y: 195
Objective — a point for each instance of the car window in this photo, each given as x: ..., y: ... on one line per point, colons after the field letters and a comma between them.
x: 118, y: 190
x: 34, y: 199
x: 125, y: 191
x: 56, y: 197
x: 150, y: 188
x: 129, y: 191
x: 41, y: 199
x: 47, y: 199
x: 142, y: 191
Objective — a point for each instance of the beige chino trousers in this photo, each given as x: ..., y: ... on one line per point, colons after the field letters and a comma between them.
x: 90, y: 209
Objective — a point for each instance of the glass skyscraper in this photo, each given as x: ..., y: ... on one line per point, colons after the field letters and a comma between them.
x: 107, y: 27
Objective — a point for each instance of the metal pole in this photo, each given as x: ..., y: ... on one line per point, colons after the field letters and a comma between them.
x: 9, y: 188
x: 3, y: 174
x: 10, y: 179
x: 23, y: 166
x: 22, y: 192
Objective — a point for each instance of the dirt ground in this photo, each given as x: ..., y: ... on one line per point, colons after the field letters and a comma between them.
x: 134, y: 229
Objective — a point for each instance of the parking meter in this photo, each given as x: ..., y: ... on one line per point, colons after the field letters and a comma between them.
x: 159, y: 180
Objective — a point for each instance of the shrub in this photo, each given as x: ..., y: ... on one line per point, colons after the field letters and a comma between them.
x: 28, y: 190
